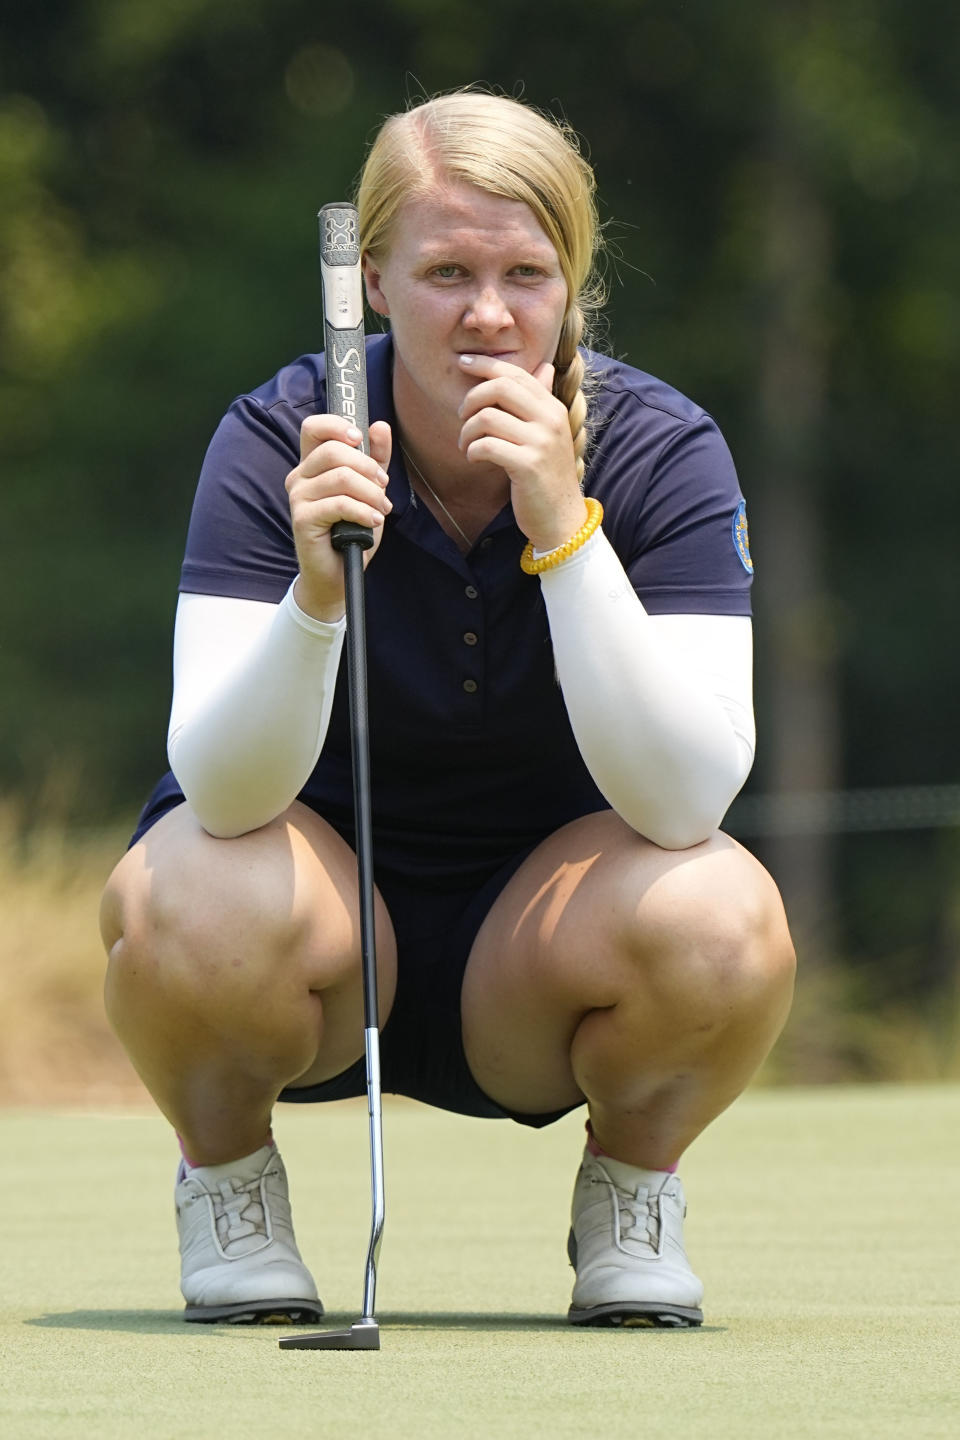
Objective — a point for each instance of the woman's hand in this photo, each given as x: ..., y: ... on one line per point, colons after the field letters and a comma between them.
x: 334, y: 481
x: 513, y: 419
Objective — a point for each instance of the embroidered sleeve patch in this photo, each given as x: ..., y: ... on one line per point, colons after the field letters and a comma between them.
x: 741, y: 536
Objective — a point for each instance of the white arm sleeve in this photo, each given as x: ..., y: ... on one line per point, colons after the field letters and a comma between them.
x: 661, y: 706
x: 252, y: 693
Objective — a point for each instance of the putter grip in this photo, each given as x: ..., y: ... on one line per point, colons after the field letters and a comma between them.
x: 343, y: 335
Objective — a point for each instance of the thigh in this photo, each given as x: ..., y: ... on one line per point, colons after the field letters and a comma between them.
x: 250, y: 925
x: 595, y: 915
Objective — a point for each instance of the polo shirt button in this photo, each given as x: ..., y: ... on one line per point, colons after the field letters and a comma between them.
x: 485, y: 543
x: 471, y: 687
x: 469, y: 638
x: 471, y: 592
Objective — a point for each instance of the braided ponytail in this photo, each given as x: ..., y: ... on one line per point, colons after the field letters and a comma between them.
x: 568, y: 384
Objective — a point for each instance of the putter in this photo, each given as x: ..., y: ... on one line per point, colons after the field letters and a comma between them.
x: 347, y: 396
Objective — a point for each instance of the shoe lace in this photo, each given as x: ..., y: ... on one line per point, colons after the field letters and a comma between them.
x: 639, y: 1216
x: 238, y: 1211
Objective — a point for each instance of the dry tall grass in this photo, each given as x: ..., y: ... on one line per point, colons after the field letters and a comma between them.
x: 57, y: 1048
x: 836, y: 1035
x: 55, y: 1044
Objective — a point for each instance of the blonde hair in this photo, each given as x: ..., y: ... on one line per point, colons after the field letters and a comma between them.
x: 511, y: 150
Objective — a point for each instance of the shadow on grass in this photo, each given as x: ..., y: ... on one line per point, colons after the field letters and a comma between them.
x: 482, y: 1320
x: 146, y: 1322
x: 170, y: 1322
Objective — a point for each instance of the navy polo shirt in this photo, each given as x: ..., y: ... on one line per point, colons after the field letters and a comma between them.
x: 472, y: 755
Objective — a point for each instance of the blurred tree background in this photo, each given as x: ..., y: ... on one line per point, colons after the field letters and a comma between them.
x: 779, y: 185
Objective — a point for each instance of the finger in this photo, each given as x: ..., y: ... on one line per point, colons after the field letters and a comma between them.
x: 341, y: 482
x: 518, y: 393
x: 318, y: 428
x: 487, y: 366
x: 496, y: 424
x: 313, y: 516
x: 335, y: 455
x: 381, y: 443
x: 492, y: 450
x: 313, y: 519
x: 545, y: 375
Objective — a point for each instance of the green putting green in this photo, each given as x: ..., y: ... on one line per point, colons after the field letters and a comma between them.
x: 824, y: 1223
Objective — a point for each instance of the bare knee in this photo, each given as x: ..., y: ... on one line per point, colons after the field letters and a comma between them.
x: 714, y: 932
x: 155, y: 914
x: 185, y: 914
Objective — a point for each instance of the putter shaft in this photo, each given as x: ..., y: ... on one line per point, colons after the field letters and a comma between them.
x: 347, y: 396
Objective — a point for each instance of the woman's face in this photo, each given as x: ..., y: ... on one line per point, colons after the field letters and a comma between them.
x: 466, y: 273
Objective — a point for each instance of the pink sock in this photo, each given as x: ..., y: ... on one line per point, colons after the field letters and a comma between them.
x: 192, y: 1164
x: 597, y: 1150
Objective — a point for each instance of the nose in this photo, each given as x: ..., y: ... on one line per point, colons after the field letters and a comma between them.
x: 487, y: 311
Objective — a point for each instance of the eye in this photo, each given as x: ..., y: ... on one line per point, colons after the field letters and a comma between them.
x: 527, y: 272
x: 445, y: 272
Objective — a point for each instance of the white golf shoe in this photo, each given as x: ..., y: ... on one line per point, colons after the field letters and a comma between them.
x: 239, y: 1258
x: 626, y: 1245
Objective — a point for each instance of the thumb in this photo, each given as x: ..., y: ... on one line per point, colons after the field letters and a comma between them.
x: 381, y: 442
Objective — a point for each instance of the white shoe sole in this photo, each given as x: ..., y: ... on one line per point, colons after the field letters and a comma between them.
x: 257, y: 1312
x: 637, y: 1315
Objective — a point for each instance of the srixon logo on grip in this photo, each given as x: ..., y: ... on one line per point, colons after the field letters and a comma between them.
x: 348, y: 374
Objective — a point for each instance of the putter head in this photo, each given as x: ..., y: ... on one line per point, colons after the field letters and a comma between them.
x: 362, y: 1335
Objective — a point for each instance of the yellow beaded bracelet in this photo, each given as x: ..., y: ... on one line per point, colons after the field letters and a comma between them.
x: 530, y: 566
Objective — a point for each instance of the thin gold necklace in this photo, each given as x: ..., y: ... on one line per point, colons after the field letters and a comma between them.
x: 430, y: 490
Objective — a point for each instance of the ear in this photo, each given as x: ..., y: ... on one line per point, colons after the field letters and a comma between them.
x: 372, y: 280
